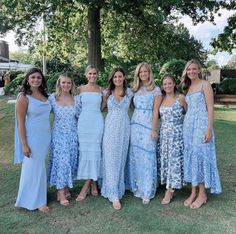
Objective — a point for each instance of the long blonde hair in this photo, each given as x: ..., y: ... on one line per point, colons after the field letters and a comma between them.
x: 137, y: 83
x: 186, y: 82
x: 58, y: 86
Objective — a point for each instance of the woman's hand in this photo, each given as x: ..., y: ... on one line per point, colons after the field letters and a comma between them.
x: 26, y: 151
x: 154, y: 135
x: 207, y: 136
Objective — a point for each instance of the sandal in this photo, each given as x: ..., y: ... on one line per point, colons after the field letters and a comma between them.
x: 61, y: 197
x: 168, y: 196
x: 198, y: 203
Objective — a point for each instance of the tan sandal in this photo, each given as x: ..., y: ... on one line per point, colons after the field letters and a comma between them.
x: 168, y: 196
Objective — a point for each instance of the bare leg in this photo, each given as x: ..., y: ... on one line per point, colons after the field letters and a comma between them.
x: 94, y: 189
x: 84, y: 191
x: 201, y: 198
x: 62, y: 197
x: 192, y: 197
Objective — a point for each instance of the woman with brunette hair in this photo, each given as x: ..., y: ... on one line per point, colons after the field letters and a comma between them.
x: 32, y: 141
x: 171, y: 145
x: 200, y: 168
x: 116, y: 137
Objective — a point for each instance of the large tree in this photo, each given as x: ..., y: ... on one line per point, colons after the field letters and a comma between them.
x: 226, y: 41
x: 70, y: 22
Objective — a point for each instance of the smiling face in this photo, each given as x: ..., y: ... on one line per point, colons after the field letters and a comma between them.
x: 35, y: 80
x: 65, y: 84
x: 118, y: 79
x: 168, y: 85
x: 193, y: 71
x: 144, y: 74
x: 91, y: 75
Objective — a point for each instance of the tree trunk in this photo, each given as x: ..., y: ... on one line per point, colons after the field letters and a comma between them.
x: 94, y: 37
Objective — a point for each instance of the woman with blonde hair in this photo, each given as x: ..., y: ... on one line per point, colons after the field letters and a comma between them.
x: 63, y: 162
x: 142, y: 163
x: 90, y: 132
x: 200, y: 168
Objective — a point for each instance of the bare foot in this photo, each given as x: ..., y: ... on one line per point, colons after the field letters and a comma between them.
x: 44, y: 209
x: 116, y: 205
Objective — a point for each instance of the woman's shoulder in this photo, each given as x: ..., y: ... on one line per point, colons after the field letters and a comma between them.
x: 157, y: 91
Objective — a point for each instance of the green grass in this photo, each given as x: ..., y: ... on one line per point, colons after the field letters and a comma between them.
x: 95, y: 215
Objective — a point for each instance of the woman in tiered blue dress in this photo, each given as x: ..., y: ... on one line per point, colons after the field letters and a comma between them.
x: 63, y: 163
x: 32, y: 141
x: 90, y: 132
x: 200, y: 168
x: 116, y: 137
x: 142, y: 162
x: 171, y: 145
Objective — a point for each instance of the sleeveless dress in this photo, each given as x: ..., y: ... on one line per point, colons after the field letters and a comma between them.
x: 115, y: 147
x: 32, y: 192
x: 63, y: 162
x: 171, y: 145
x: 142, y: 161
x: 90, y: 132
x: 199, y: 158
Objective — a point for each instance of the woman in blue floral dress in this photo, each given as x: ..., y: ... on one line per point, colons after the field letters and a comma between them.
x: 171, y: 143
x: 63, y: 162
x: 200, y: 167
x: 142, y: 161
x: 116, y: 137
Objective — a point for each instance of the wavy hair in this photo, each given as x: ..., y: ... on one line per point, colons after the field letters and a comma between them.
x: 174, y: 81
x: 111, y: 85
x: 58, y: 86
x: 186, y: 82
x: 26, y: 87
x: 137, y: 83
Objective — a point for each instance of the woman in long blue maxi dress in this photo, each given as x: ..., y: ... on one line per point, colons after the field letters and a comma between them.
x: 170, y: 142
x: 200, y: 167
x: 116, y: 137
x: 142, y: 160
x: 90, y: 132
x: 63, y: 162
x: 32, y: 141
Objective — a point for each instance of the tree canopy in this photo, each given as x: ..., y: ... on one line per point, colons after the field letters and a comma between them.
x: 126, y: 30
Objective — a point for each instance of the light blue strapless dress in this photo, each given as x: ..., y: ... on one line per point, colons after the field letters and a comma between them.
x: 90, y: 132
x: 32, y: 192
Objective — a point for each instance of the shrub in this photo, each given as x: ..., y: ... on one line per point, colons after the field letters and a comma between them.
x: 174, y: 67
x: 15, y: 85
x: 227, y: 86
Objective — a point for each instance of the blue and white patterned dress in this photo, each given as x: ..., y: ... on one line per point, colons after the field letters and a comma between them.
x: 141, y: 168
x: 63, y: 162
x: 199, y: 158
x: 90, y: 131
x: 115, y: 147
x: 171, y: 145
x: 32, y: 192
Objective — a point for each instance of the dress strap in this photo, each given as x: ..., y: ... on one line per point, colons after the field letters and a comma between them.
x: 201, y: 87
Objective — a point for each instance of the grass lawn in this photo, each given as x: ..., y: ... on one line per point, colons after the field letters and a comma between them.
x: 95, y: 215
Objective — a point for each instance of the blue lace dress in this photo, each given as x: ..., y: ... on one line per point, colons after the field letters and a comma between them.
x: 171, y: 145
x: 32, y: 192
x: 141, y: 169
x: 90, y: 132
x: 63, y: 162
x: 199, y: 158
x: 115, y: 147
